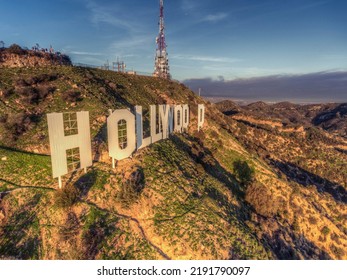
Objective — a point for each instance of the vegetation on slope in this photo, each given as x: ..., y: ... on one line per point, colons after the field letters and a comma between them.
x: 312, y: 161
x: 16, y: 56
x: 198, y: 195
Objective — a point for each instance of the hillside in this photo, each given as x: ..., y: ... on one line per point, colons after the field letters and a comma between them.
x: 15, y: 56
x: 314, y: 154
x: 200, y: 195
x: 330, y: 117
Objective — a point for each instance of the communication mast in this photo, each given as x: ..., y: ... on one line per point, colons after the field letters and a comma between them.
x: 161, y: 68
x: 106, y: 65
x: 119, y: 66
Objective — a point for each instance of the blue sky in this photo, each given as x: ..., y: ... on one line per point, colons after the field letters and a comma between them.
x: 222, y: 40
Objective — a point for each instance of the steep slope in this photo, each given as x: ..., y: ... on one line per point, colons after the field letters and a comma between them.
x: 333, y: 120
x: 313, y: 162
x: 198, y: 195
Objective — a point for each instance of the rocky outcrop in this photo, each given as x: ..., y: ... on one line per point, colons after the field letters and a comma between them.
x: 31, y: 59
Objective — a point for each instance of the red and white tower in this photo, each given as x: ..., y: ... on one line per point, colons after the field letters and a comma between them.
x: 161, y: 68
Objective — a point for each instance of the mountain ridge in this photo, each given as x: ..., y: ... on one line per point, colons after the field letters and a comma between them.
x: 331, y: 117
x: 15, y: 56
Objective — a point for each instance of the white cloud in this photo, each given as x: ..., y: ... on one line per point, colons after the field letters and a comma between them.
x: 93, y: 61
x: 115, y: 16
x: 314, y: 4
x: 134, y: 37
x: 132, y: 42
x: 188, y: 5
x: 84, y: 53
x: 206, y: 58
x: 215, y: 17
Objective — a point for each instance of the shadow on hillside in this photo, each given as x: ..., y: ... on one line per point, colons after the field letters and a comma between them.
x: 255, y: 125
x: 110, y: 92
x: 341, y: 151
x: 102, y: 225
x: 86, y: 182
x: 99, y: 142
x: 21, y: 151
x: 326, y: 116
x: 217, y: 196
x: 306, y: 178
x: 288, y: 246
x: 204, y: 156
x: 16, y: 243
x: 96, y: 233
x: 284, y: 245
x: 231, y: 112
x: 16, y: 186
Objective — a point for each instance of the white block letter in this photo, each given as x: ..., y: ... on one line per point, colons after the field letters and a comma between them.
x: 59, y: 143
x: 201, y: 115
x: 141, y: 143
x: 171, y: 118
x: 178, y: 118
x: 155, y: 136
x: 185, y: 117
x: 164, y: 111
x: 121, y: 134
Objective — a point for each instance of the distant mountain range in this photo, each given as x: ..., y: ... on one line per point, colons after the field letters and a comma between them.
x: 330, y: 117
x: 319, y: 87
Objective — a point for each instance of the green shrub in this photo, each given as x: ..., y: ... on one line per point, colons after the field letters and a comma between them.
x: 66, y: 197
x: 35, y: 95
x: 312, y: 220
x: 16, y: 49
x: 131, y: 187
x: 325, y: 231
x: 72, y: 96
x: 244, y: 172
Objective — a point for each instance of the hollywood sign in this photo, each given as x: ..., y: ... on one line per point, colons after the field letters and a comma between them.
x: 124, y: 133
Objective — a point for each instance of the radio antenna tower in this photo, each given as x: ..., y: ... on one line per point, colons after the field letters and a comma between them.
x: 161, y: 68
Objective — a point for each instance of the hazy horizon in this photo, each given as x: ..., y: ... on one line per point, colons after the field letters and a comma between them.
x: 321, y: 87
x: 247, y: 102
